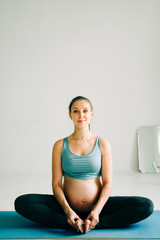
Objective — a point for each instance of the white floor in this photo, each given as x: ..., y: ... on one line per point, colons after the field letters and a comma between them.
x: 124, y: 183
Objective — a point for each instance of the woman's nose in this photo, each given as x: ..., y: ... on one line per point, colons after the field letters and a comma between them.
x: 81, y: 114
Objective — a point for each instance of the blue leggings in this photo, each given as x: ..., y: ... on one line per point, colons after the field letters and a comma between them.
x: 117, y: 212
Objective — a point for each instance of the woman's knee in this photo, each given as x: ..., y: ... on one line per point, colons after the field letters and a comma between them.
x: 146, y: 206
x: 21, y: 201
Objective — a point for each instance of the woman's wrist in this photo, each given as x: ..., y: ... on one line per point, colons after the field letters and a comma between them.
x: 96, y: 210
x: 68, y: 211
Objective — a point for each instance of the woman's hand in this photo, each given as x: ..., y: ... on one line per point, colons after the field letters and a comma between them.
x: 91, y: 221
x: 75, y: 221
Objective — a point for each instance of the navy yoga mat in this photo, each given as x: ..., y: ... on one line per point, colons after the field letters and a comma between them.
x: 13, y: 226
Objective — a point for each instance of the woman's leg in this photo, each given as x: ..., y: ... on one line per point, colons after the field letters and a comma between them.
x: 43, y: 209
x: 122, y: 211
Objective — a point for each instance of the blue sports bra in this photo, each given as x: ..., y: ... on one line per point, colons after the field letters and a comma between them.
x: 81, y: 167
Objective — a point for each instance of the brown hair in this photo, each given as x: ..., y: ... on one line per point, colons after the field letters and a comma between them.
x: 76, y: 99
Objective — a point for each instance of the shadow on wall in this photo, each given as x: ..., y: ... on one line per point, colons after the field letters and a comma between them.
x: 134, y: 154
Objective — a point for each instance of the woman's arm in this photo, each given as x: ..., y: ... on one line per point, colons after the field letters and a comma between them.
x: 106, y: 183
x: 106, y: 175
x: 72, y: 217
x: 57, y: 176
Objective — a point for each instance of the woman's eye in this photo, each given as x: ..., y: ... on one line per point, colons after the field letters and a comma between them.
x: 75, y: 111
x: 85, y: 110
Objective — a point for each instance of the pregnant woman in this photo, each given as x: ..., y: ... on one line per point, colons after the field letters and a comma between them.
x: 82, y: 182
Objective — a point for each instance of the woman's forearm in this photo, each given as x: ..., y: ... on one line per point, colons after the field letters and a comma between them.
x: 59, y: 195
x: 104, y: 195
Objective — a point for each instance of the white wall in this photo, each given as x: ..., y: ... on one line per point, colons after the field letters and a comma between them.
x: 54, y: 50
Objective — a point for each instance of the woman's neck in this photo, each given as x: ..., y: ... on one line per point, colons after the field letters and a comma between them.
x: 81, y: 134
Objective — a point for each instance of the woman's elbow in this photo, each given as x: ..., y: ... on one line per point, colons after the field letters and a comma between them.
x: 107, y: 184
x: 56, y: 186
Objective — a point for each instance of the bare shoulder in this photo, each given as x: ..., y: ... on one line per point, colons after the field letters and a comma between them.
x: 105, y: 145
x: 58, y: 145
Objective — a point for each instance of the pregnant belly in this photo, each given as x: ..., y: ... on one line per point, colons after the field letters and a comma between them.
x: 82, y: 195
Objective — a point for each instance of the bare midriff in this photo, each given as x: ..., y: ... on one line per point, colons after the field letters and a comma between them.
x: 82, y: 195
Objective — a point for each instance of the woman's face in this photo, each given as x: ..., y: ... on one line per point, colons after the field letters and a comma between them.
x: 81, y: 113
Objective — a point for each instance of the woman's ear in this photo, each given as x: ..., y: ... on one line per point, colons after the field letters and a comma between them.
x: 70, y: 115
x: 92, y: 113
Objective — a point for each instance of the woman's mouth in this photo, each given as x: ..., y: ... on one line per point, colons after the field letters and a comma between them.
x: 80, y: 121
